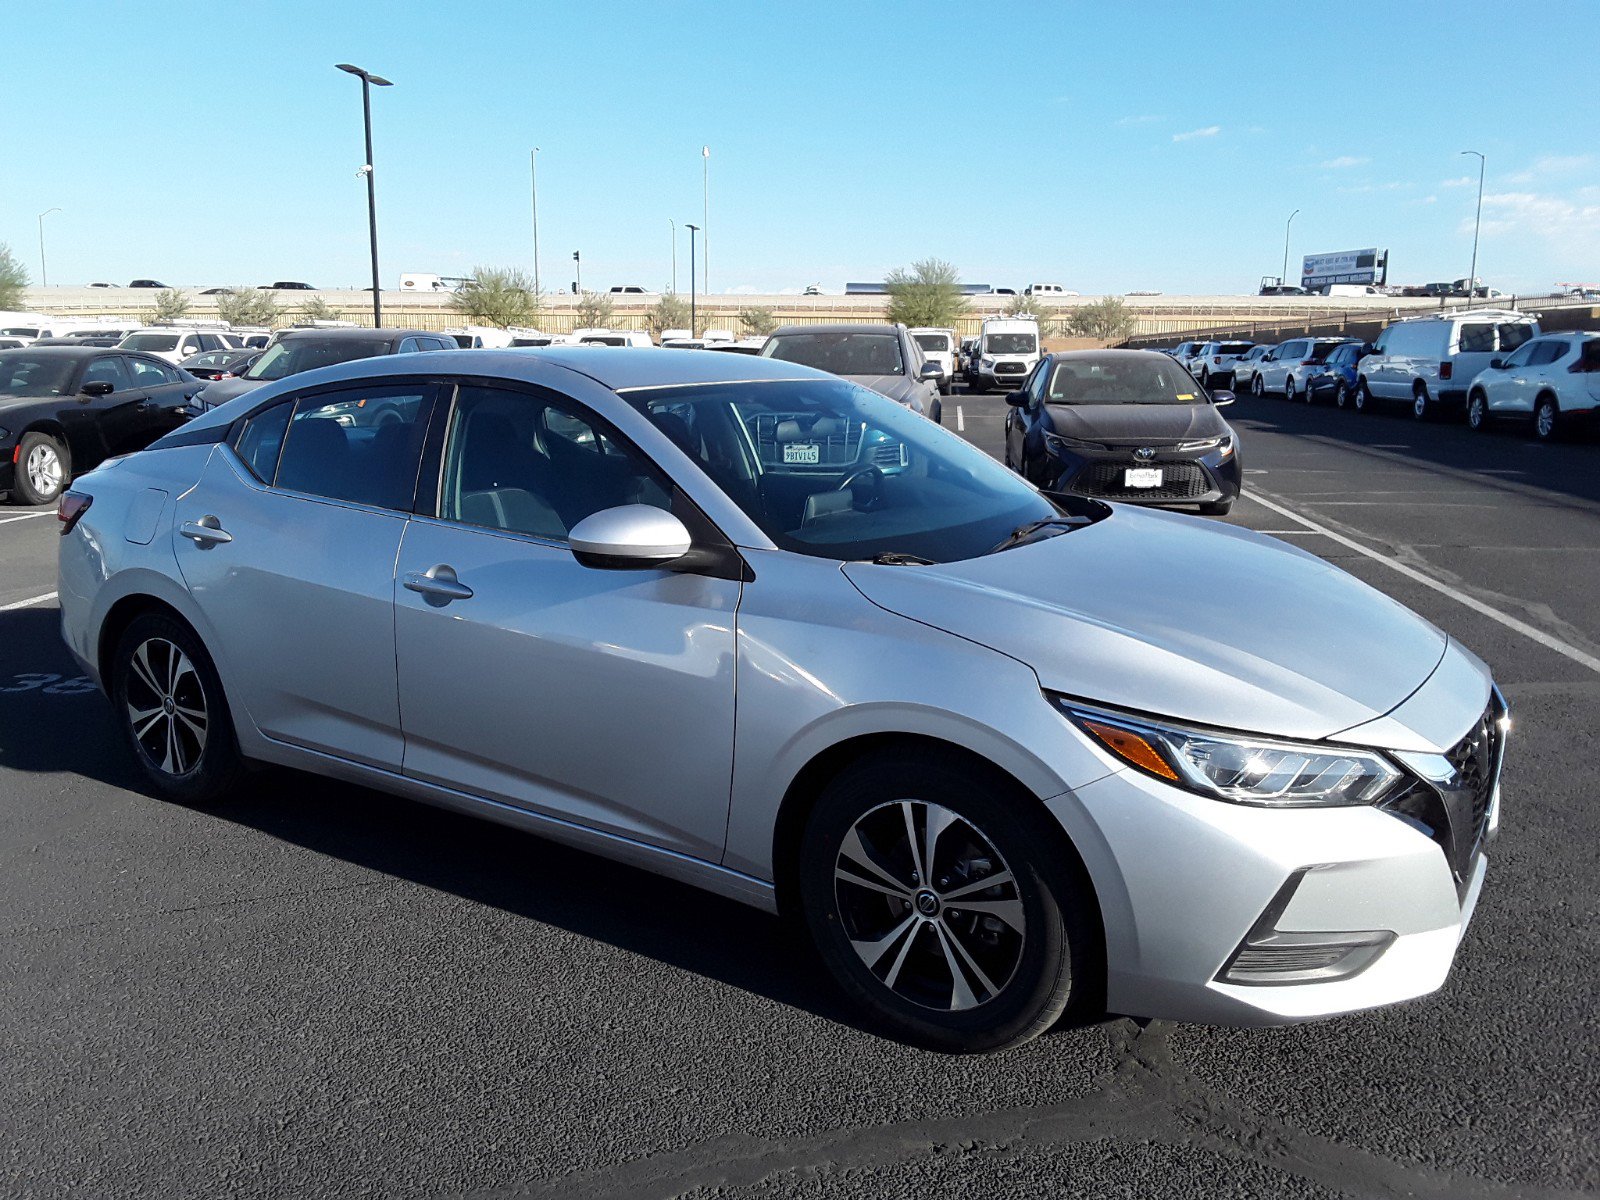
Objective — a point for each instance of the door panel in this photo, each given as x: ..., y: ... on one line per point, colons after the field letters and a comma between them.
x: 602, y: 697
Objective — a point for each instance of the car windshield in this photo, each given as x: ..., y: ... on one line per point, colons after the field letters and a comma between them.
x: 27, y: 331
x: 294, y: 355
x: 150, y: 341
x: 25, y: 374
x: 827, y: 468
x: 932, y: 341
x: 1010, y: 343
x: 1096, y: 378
x: 840, y: 353
x: 1321, y: 350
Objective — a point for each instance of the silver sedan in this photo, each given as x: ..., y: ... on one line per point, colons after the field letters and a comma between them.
x: 1011, y: 757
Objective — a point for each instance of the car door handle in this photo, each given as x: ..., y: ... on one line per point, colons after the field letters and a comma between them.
x: 439, y: 583
x: 207, y: 531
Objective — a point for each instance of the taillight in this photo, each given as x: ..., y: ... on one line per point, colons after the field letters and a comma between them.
x: 1310, y: 362
x: 73, y: 506
x: 1445, y: 370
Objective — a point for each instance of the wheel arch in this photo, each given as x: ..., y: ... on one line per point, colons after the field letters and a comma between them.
x: 122, y: 614
x: 813, y: 778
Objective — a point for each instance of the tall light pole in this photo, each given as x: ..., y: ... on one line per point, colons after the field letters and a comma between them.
x: 694, y: 328
x: 705, y: 217
x: 1477, y: 224
x: 368, y: 82
x: 533, y: 161
x: 674, y: 225
x: 577, y: 266
x: 1284, y: 278
x: 44, y: 275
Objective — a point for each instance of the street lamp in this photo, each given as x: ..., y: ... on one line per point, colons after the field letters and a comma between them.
x: 1284, y: 278
x: 694, y: 328
x: 44, y: 275
x: 533, y: 160
x: 1477, y: 224
x: 368, y: 82
x: 577, y: 266
x: 674, y: 225
x: 705, y: 218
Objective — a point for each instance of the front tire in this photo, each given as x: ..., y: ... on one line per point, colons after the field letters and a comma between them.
x: 43, y: 466
x: 1421, y: 406
x: 1477, y: 413
x: 1258, y: 389
x: 1363, y: 397
x: 1288, y: 387
x: 946, y: 903
x: 170, y: 705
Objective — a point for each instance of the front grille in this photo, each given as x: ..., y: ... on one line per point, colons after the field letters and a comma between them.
x: 1475, y: 758
x: 1009, y: 368
x: 1179, y: 481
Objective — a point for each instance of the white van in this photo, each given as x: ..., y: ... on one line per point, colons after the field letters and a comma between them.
x: 1353, y: 289
x: 938, y: 346
x: 1008, y: 348
x: 1429, y: 361
x: 611, y: 337
x: 422, y: 281
x: 478, y: 337
x: 1046, y: 289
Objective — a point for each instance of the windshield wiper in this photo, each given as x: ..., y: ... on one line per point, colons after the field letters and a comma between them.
x: 893, y: 558
x: 1025, y: 533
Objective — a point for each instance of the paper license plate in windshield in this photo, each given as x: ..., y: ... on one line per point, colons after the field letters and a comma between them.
x: 1142, y: 477
x: 808, y: 454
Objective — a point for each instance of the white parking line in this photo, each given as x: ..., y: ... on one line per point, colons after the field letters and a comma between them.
x: 27, y: 603
x: 1472, y: 602
x: 961, y: 420
x: 49, y: 512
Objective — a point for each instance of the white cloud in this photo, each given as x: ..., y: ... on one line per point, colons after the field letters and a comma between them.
x: 1363, y: 188
x: 1426, y: 200
x: 1551, y: 164
x: 1208, y: 131
x: 1459, y: 181
x: 1343, y: 162
x: 1146, y: 120
x: 1572, y: 226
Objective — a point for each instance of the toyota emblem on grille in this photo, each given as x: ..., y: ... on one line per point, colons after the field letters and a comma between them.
x: 1144, y: 453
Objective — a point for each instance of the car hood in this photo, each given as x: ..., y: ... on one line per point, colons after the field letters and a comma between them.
x: 1171, y: 615
x: 223, y: 390
x: 1153, y: 423
x: 897, y: 387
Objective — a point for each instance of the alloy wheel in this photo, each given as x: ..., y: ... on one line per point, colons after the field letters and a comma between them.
x: 1288, y: 387
x: 1544, y: 419
x: 43, y: 467
x: 1257, y: 388
x: 1341, y: 396
x: 1477, y: 418
x: 167, y: 707
x: 929, y: 905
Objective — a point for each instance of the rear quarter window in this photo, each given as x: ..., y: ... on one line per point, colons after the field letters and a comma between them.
x: 261, y: 440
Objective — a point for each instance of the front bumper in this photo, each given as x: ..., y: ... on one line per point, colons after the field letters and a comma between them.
x: 1202, y: 478
x: 1185, y: 883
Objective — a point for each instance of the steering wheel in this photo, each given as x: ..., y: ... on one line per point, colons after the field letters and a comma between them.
x: 870, y: 502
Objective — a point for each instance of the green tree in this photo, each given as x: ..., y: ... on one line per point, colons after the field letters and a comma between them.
x: 928, y: 294
x: 318, y: 309
x: 500, y: 296
x: 249, y: 306
x: 1108, y: 319
x: 757, y: 322
x: 593, y: 311
x: 13, y: 279
x: 1030, y: 306
x: 669, y: 312
x: 171, y: 304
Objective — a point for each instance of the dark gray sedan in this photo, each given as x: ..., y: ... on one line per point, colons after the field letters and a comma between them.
x: 884, y: 358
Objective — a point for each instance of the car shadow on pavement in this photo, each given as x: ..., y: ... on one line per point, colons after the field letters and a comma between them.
x: 1504, y: 457
x: 53, y: 721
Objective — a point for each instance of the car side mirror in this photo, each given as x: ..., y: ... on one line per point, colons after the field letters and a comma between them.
x: 1499, y: 364
x: 1017, y: 399
x: 98, y: 387
x: 1222, y: 398
x: 931, y: 372
x: 629, y: 537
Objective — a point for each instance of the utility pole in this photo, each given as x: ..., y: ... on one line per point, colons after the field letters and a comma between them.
x: 1477, y: 224
x: 44, y: 274
x: 577, y: 267
x: 694, y: 328
x: 368, y: 82
x: 1283, y: 279
x: 705, y: 217
x: 674, y: 225
x: 533, y: 161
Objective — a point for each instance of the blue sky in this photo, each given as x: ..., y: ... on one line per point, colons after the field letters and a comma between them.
x: 216, y: 144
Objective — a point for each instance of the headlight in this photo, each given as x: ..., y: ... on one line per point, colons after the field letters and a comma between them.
x: 1058, y: 445
x: 1224, y: 443
x: 1240, y: 768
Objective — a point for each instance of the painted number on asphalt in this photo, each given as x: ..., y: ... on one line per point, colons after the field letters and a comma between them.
x: 50, y: 685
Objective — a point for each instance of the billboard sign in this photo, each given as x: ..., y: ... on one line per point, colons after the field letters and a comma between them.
x: 1346, y: 266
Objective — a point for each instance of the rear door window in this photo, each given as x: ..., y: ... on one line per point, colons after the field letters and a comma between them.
x: 361, y: 444
x: 1477, y: 339
x: 1513, y: 334
x: 261, y: 439
x: 108, y: 370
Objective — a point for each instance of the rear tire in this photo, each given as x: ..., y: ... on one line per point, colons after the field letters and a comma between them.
x: 170, y: 705
x: 43, y: 468
x: 992, y: 976
x: 1341, y: 396
x: 1546, y: 419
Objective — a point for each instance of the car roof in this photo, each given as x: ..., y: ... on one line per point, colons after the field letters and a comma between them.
x: 1103, y: 354
x: 837, y: 327
x: 361, y: 333
x: 66, y: 351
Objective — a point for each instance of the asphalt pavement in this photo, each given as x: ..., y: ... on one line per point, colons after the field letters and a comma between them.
x: 316, y: 990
